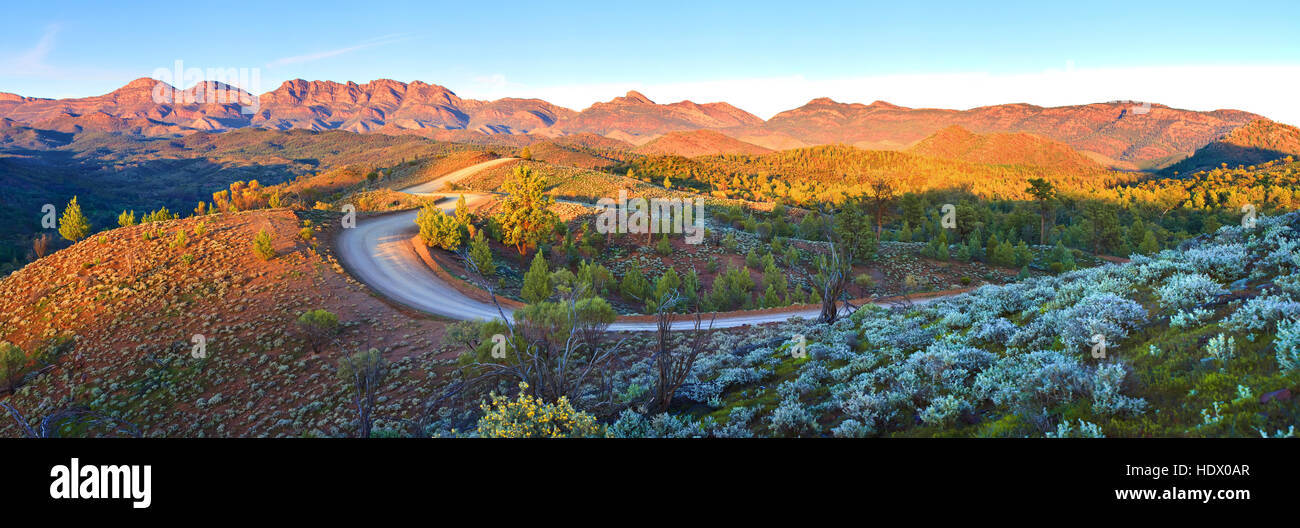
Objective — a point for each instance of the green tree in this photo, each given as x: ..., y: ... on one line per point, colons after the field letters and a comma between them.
x: 1149, y: 244
x: 1045, y: 194
x: 1023, y: 255
x: 73, y: 225
x: 438, y: 229
x: 480, y: 253
x: 126, y: 219
x: 262, y: 245
x: 526, y: 217
x: 663, y: 247
x: 537, y: 282
x: 462, y: 213
x: 854, y: 229
x: 635, y: 287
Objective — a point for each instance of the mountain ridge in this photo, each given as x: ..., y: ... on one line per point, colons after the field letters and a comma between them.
x: 1120, y: 135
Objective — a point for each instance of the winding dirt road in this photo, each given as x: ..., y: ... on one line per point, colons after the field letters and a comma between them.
x: 379, y: 253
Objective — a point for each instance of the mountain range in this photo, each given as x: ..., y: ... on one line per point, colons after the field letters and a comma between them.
x: 1115, y: 134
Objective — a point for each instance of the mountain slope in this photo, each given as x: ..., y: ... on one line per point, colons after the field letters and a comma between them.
x: 1259, y: 141
x: 637, y: 119
x: 1119, y: 131
x: 383, y: 105
x: 1018, y: 148
x: 698, y: 143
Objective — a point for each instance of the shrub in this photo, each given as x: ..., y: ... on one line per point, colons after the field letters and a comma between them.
x: 631, y: 424
x: 944, y: 410
x: 1287, y: 345
x: 317, y: 327
x: 863, y: 280
x: 306, y: 233
x: 1186, y: 290
x: 1260, y: 313
x: 729, y: 242
x: 438, y: 229
x: 1085, y: 430
x: 663, y: 247
x: 262, y: 245
x: 792, y: 418
x: 530, y: 417
x: 13, y: 365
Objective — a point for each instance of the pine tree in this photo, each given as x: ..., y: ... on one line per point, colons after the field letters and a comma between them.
x: 1149, y: 244
x: 537, y: 282
x: 262, y: 245
x: 634, y: 285
x: 480, y: 253
x: 73, y: 225
x: 462, y: 213
x: 963, y: 253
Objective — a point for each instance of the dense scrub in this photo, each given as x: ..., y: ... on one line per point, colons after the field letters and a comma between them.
x: 1199, y: 342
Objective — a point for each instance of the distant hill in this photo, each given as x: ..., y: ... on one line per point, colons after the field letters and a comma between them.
x: 111, y: 172
x: 636, y: 119
x: 379, y: 106
x: 1147, y: 137
x: 1259, y: 141
x: 698, y: 143
x: 1120, y: 135
x: 13, y: 135
x: 1017, y: 148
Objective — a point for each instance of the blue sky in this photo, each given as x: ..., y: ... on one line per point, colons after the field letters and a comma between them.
x: 764, y: 57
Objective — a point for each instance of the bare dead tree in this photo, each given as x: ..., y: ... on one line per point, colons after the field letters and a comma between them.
x: 674, y: 364
x: 54, y: 422
x: 555, y: 354
x: 41, y: 245
x: 364, y: 372
x: 833, y: 270
x: 883, y: 190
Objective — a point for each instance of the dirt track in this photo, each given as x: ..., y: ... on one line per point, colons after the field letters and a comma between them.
x: 379, y: 253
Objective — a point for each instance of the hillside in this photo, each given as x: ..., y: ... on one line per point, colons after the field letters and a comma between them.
x: 1202, y: 342
x: 122, y: 312
x: 833, y: 171
x: 1120, y: 135
x: 109, y: 173
x: 378, y: 106
x: 1259, y: 141
x: 636, y: 119
x: 698, y: 143
x: 957, y: 143
x: 1113, y: 130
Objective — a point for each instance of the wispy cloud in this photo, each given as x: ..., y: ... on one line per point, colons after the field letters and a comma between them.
x: 325, y: 54
x: 32, y: 61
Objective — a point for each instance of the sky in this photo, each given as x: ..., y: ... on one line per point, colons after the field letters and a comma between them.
x: 764, y: 57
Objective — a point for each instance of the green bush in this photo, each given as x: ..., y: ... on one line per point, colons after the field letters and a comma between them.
x: 318, y: 327
x: 262, y: 245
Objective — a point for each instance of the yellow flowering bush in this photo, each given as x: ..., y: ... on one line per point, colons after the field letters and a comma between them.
x: 529, y: 417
